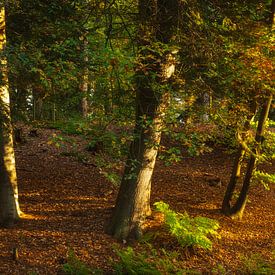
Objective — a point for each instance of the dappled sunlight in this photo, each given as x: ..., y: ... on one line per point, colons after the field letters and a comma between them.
x: 84, y: 198
x: 87, y: 90
x: 25, y: 216
x: 206, y: 206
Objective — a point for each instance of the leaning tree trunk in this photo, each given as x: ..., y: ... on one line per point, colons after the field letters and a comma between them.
x: 238, y: 208
x: 236, y: 171
x: 235, y: 176
x: 154, y: 69
x: 236, y: 211
x: 9, y: 206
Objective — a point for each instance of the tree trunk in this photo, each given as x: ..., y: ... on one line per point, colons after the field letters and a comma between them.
x: 155, y: 67
x: 84, y: 87
x: 9, y: 205
x: 236, y: 211
x: 238, y: 208
x: 271, y: 17
x: 235, y: 176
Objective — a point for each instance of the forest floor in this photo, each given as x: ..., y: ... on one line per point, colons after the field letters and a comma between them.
x: 68, y: 204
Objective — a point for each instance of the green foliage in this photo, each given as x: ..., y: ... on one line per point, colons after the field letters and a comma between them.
x: 113, y: 144
x: 219, y: 270
x: 171, y: 156
x: 264, y: 178
x: 256, y: 265
x: 148, y: 262
x: 108, y: 169
x: 76, y: 267
x: 135, y: 263
x: 190, y: 232
x: 72, y: 126
x: 268, y: 148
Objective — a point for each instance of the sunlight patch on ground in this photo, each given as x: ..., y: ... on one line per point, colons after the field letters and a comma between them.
x: 25, y: 216
x: 208, y: 206
x: 84, y: 198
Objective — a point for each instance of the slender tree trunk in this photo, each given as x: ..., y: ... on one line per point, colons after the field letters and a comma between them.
x: 235, y: 176
x: 9, y: 205
x: 271, y: 17
x: 152, y: 99
x: 236, y: 210
x: 84, y: 87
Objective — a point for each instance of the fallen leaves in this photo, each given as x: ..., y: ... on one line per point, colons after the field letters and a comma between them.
x: 67, y: 205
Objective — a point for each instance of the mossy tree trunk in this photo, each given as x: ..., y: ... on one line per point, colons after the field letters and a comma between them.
x: 155, y: 66
x: 9, y: 206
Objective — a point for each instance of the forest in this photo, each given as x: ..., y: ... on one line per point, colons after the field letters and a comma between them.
x: 137, y: 137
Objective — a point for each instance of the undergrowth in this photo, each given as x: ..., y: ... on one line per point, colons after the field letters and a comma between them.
x: 74, y: 266
x: 190, y: 232
x: 151, y: 262
x: 256, y: 265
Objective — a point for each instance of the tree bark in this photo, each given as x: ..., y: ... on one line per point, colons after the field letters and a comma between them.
x: 236, y: 210
x: 154, y: 69
x: 235, y: 176
x: 9, y: 205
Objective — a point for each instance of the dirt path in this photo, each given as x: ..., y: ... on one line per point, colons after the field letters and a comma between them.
x: 69, y: 203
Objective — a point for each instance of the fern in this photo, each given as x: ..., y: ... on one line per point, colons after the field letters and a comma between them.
x: 264, y: 178
x: 74, y: 266
x: 151, y: 262
x: 189, y: 231
x: 135, y: 263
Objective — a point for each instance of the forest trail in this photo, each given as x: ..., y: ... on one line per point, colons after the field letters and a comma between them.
x: 69, y: 202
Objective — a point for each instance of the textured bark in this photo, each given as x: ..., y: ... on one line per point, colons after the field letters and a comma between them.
x: 133, y: 201
x: 9, y: 206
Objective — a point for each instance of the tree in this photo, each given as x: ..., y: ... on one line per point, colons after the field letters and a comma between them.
x: 155, y: 66
x: 9, y: 205
x: 256, y: 59
x: 84, y: 86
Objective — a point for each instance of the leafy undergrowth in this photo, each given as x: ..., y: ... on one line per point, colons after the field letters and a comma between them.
x: 190, y: 232
x: 68, y: 202
x: 157, y: 262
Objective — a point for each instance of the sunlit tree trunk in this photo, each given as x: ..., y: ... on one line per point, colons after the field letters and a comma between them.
x: 154, y: 69
x: 9, y: 206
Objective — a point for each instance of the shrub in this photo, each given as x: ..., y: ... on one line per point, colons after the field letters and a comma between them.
x: 190, y: 232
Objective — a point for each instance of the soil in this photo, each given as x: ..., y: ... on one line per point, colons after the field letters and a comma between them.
x: 68, y: 204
